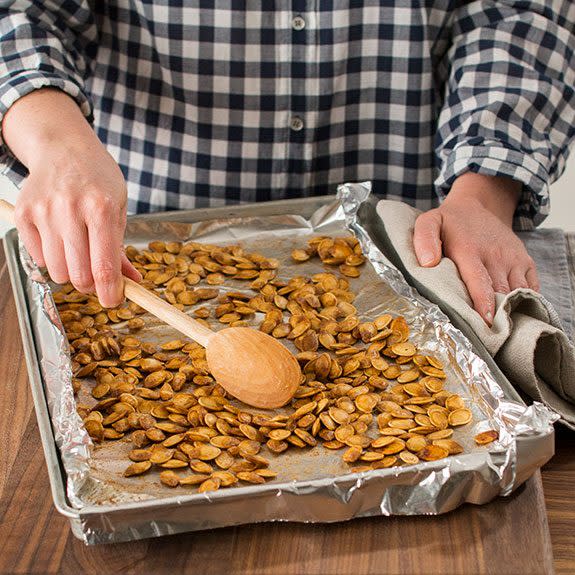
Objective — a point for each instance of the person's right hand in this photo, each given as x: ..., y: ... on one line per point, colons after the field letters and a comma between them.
x: 71, y: 211
x: 71, y: 215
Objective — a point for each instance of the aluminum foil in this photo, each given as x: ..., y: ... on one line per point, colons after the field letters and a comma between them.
x: 313, y: 485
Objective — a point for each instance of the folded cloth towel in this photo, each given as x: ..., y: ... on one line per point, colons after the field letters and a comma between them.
x: 526, y: 338
x: 548, y: 247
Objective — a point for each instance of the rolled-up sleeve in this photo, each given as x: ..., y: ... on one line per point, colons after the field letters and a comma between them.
x: 43, y: 44
x: 509, y: 107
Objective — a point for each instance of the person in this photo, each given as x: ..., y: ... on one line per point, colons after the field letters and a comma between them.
x: 464, y: 109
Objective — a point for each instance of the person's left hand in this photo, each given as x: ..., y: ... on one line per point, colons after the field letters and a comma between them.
x: 472, y: 227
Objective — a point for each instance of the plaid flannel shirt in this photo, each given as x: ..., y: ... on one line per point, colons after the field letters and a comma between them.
x: 208, y: 102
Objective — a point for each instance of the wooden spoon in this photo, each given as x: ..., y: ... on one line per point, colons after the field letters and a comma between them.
x: 249, y: 364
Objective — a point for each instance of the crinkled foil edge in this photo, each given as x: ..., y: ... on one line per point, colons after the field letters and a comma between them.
x: 427, y: 489
x: 71, y: 438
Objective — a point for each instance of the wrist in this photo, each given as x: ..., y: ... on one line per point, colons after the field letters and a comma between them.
x: 47, y: 126
x: 499, y: 195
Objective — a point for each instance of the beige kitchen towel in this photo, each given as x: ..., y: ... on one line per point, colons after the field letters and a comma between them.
x: 526, y: 339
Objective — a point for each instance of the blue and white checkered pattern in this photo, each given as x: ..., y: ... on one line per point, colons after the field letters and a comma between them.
x: 206, y: 102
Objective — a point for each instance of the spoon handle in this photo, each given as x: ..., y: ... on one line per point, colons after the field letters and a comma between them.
x: 167, y: 312
x: 6, y: 212
x: 150, y: 302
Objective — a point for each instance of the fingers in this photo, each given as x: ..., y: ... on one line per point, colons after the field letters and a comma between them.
x: 498, y: 273
x: 532, y: 278
x: 129, y: 270
x: 478, y: 283
x: 81, y: 244
x: 78, y: 258
x: 484, y: 280
x: 31, y: 237
x: 427, y: 238
x: 517, y: 278
x: 524, y: 277
x: 106, y: 259
x: 54, y: 255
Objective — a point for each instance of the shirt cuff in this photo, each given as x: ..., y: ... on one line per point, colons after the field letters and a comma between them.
x: 494, y: 159
x: 20, y: 85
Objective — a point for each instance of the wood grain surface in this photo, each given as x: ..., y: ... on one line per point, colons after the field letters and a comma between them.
x: 559, y: 475
x: 509, y: 535
x: 558, y: 484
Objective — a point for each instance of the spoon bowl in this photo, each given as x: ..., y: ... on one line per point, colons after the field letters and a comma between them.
x: 253, y: 366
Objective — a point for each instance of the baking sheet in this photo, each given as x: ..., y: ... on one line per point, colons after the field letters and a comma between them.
x: 433, y: 487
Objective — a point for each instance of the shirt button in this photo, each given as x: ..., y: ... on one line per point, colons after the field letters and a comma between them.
x: 298, y: 23
x: 296, y: 124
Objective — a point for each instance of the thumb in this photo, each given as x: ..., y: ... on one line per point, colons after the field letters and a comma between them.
x: 427, y: 238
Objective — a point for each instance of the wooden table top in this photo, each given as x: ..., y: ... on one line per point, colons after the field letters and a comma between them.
x: 559, y: 475
x: 510, y: 535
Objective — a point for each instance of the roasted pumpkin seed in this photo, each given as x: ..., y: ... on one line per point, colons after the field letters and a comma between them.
x: 486, y: 437
x: 137, y: 468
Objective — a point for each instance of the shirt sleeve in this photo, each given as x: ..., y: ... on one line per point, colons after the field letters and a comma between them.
x: 43, y: 44
x: 509, y: 107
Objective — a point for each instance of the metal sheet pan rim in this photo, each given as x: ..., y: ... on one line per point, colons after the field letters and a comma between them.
x: 35, y: 377
x: 175, y: 502
x: 301, y: 484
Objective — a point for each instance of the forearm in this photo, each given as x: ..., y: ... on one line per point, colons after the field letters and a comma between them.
x: 46, y: 44
x: 71, y: 212
x: 509, y: 100
x: 46, y: 125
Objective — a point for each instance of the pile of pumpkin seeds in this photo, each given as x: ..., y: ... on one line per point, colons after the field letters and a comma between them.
x: 365, y: 389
